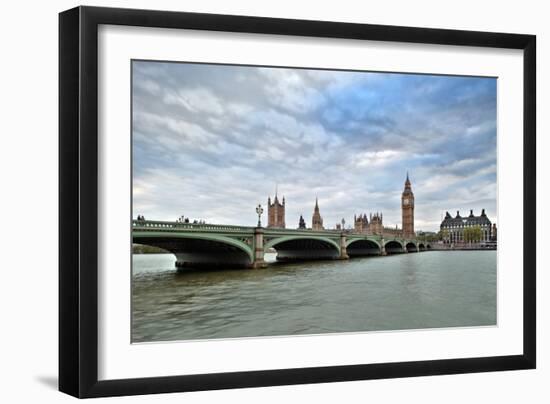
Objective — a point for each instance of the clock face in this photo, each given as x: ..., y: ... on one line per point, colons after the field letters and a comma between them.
x: 406, y: 201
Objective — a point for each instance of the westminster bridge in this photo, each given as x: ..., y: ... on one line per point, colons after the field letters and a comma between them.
x: 241, y: 246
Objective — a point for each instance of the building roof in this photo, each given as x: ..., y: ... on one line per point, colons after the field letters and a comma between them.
x: 470, y: 220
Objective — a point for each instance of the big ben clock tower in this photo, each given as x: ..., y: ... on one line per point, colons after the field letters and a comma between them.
x: 407, y: 209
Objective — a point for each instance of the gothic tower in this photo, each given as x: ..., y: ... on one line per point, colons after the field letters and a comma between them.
x: 376, y: 225
x: 276, y: 212
x: 316, y: 220
x: 361, y: 223
x: 407, y: 209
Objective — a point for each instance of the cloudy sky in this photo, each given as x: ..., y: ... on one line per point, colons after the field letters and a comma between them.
x: 212, y: 141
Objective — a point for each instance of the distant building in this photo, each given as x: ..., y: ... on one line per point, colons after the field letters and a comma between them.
x: 276, y: 212
x: 369, y: 225
x: 361, y: 223
x: 374, y: 224
x: 316, y: 220
x: 302, y: 223
x: 454, y: 227
x: 394, y: 232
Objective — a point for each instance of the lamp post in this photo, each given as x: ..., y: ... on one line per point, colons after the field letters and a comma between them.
x: 259, y: 211
x: 343, y: 224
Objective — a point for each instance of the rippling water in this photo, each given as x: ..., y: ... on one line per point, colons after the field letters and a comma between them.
x: 408, y: 291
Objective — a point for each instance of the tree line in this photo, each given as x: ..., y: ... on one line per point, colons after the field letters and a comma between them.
x: 147, y: 249
x: 472, y: 234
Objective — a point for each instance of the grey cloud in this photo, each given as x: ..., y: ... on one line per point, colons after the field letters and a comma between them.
x: 211, y: 141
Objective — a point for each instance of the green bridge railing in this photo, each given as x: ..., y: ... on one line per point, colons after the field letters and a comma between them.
x: 155, y: 224
x: 165, y: 225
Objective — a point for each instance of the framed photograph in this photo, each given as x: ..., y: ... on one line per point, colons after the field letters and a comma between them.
x: 250, y: 201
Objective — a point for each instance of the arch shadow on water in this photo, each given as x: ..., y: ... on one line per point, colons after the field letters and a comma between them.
x: 206, y: 253
x: 304, y: 249
x: 393, y: 247
x: 363, y: 248
x: 411, y: 247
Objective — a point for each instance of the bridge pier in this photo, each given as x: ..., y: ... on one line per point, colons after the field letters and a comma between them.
x: 258, y: 249
x: 343, y: 249
x: 383, y: 247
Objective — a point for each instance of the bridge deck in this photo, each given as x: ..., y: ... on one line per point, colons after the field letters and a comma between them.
x: 215, y: 244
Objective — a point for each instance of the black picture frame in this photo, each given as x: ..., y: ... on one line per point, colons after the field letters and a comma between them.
x: 78, y: 201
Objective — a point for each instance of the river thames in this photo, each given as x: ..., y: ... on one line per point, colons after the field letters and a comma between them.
x: 407, y: 291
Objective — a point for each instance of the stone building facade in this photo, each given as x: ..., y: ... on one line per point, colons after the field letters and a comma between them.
x: 276, y: 212
x: 392, y: 231
x: 454, y: 227
x: 361, y: 223
x: 376, y: 224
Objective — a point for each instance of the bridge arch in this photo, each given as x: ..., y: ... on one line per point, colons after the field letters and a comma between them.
x: 303, y: 247
x: 421, y: 247
x: 393, y: 247
x: 199, y: 249
x: 362, y: 247
x: 411, y: 247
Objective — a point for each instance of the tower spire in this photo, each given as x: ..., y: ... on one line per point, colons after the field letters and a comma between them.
x: 316, y: 220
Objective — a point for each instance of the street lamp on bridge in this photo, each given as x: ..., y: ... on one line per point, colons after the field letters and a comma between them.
x: 259, y: 211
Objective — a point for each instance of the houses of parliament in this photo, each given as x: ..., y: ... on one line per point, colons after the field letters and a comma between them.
x: 372, y: 224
